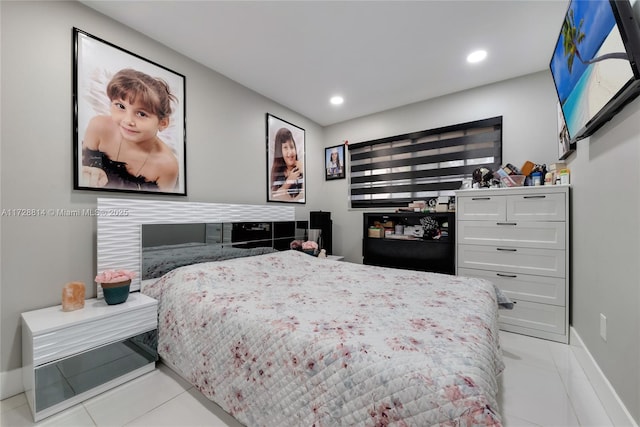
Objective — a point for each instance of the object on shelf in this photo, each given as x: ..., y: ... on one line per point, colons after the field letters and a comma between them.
x: 73, y: 296
x: 376, y: 232
x: 115, y: 285
x: 482, y: 177
x: 431, y: 228
x: 418, y: 205
x: 527, y: 168
x: 511, y: 170
x: 564, y: 176
x: 513, y: 180
x: 310, y: 247
x: 307, y: 246
x: 536, y: 178
x: 413, y: 231
x: 556, y: 166
x: 548, y: 179
x: 401, y: 237
x: 442, y: 204
x: 116, y: 292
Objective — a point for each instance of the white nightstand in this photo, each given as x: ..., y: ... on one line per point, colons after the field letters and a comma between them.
x: 68, y: 357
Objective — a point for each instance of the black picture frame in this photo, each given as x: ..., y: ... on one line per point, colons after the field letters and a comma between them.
x: 285, y: 175
x: 137, y: 156
x: 565, y: 146
x: 334, y: 168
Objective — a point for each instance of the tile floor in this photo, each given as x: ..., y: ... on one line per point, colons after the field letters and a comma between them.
x: 543, y: 385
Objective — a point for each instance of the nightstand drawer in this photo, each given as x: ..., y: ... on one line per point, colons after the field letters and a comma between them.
x: 543, y: 262
x: 81, y: 337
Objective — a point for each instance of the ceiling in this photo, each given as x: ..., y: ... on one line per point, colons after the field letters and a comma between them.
x: 376, y: 54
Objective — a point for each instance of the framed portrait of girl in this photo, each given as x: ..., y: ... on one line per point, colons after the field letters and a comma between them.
x: 285, y: 161
x: 129, y: 119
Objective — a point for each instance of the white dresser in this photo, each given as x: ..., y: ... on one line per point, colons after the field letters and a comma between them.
x: 519, y: 239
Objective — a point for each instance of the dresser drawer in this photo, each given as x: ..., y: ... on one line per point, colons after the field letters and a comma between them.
x: 525, y: 234
x: 534, y: 316
x: 536, y: 207
x: 481, y: 207
x: 543, y: 262
x: 524, y: 287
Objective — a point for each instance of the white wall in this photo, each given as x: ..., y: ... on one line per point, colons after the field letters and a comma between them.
x: 226, y: 157
x: 606, y: 250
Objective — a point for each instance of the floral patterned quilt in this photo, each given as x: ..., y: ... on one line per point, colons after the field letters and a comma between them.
x: 287, y: 339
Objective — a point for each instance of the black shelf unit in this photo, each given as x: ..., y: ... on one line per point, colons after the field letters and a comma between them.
x: 435, y: 255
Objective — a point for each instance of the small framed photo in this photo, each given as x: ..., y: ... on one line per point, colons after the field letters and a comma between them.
x: 334, y: 162
x: 285, y: 161
x: 565, y: 148
x: 129, y: 120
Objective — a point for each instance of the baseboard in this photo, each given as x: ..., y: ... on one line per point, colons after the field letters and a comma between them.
x: 11, y: 383
x: 612, y: 403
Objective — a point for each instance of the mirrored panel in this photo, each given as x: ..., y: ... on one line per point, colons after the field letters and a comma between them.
x: 61, y: 380
x: 169, y: 246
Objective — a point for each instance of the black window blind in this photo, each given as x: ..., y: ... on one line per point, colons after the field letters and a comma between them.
x: 394, y: 171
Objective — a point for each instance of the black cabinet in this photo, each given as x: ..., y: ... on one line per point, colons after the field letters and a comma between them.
x: 410, y: 240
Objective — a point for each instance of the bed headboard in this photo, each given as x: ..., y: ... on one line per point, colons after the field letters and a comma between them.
x: 119, y: 235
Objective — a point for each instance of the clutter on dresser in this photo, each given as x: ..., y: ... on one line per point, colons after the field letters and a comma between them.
x: 529, y: 174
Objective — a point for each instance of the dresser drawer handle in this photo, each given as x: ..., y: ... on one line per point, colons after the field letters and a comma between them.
x: 506, y: 223
x: 481, y: 198
x: 506, y: 249
x: 534, y: 197
x: 511, y: 276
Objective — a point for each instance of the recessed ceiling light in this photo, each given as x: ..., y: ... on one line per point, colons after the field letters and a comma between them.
x: 477, y: 56
x: 336, y: 100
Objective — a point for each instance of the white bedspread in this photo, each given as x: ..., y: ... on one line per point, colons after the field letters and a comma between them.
x: 287, y: 339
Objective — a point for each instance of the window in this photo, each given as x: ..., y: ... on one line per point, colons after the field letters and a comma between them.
x: 394, y: 171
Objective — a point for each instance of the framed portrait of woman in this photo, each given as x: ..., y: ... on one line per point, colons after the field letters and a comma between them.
x: 334, y: 162
x: 129, y: 119
x: 285, y: 161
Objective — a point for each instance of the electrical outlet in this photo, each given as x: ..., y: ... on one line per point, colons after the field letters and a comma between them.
x: 603, y: 326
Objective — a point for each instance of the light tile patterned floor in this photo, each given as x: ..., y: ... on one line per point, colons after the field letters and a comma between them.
x: 543, y: 385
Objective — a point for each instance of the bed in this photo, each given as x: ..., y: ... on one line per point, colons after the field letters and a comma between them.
x: 287, y: 339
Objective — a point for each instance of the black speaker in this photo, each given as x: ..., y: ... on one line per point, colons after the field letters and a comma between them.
x: 318, y: 218
x: 322, y: 221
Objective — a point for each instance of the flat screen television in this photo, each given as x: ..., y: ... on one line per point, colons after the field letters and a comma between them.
x: 596, y: 63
